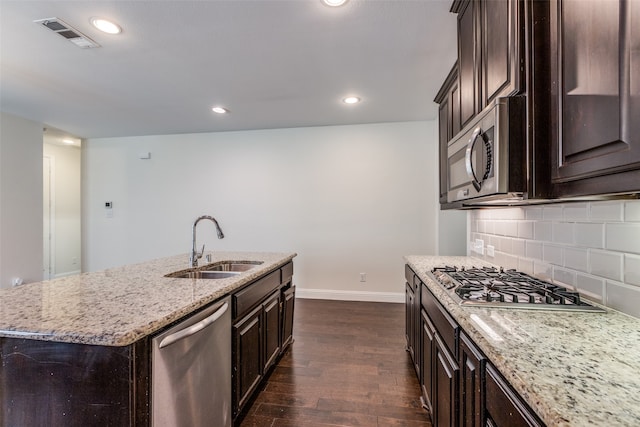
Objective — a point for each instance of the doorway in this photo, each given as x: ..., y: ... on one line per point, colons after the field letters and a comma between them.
x: 61, y: 213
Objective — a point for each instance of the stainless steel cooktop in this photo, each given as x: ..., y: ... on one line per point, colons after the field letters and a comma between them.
x: 496, y: 287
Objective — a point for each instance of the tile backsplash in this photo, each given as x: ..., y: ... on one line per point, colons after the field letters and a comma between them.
x: 593, y: 247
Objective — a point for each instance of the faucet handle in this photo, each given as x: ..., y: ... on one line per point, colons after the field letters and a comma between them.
x: 201, y: 253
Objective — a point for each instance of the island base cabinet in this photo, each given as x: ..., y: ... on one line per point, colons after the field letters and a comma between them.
x: 45, y: 383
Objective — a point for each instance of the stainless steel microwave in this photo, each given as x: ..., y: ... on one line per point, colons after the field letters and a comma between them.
x: 486, y: 161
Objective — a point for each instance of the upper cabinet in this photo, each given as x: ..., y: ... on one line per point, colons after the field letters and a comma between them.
x: 489, y: 53
x: 595, y: 98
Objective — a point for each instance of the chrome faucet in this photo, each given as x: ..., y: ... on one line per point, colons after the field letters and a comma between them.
x: 195, y: 256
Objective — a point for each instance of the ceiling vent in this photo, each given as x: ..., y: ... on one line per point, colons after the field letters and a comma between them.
x: 65, y: 30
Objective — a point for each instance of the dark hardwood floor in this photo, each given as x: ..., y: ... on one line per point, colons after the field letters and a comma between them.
x: 347, y: 367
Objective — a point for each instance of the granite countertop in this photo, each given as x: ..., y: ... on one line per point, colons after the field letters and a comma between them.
x: 118, y: 306
x: 572, y: 368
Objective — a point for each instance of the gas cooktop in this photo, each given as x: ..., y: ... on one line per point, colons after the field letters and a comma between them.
x: 496, y: 287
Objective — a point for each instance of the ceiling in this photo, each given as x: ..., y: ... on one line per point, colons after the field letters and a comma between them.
x: 271, y: 63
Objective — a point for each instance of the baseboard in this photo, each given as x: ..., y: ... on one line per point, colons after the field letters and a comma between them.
x: 68, y: 273
x: 350, y: 295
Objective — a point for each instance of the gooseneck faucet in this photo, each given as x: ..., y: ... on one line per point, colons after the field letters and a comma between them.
x: 195, y: 256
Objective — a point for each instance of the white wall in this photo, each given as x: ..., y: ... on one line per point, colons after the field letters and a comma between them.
x: 66, y: 161
x: 347, y: 199
x: 20, y: 200
x: 593, y: 247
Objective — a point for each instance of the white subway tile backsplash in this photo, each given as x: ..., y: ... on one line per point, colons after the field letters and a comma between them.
x: 533, y: 250
x: 511, y: 228
x: 632, y: 211
x: 632, y: 269
x: 591, y: 286
x: 589, y: 235
x: 553, y: 254
x: 563, y: 232
x: 534, y: 212
x: 543, y: 231
x: 623, y: 298
x: 543, y: 270
x: 592, y: 246
x: 562, y: 275
x: 576, y: 212
x: 606, y: 211
x: 606, y: 264
x: 576, y: 259
x: 623, y: 237
x: 525, y: 265
x: 552, y: 212
x: 518, y: 247
x: 525, y: 229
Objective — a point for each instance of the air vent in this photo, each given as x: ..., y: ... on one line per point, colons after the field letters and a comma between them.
x: 65, y: 30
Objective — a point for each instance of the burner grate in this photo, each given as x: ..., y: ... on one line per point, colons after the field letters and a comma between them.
x: 499, y: 287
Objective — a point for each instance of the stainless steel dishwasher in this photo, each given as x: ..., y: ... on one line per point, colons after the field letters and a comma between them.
x: 191, y: 371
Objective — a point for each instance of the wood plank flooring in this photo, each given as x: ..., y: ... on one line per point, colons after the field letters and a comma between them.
x: 347, y: 367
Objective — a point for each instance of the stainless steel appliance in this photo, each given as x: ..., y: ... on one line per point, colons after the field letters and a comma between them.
x: 191, y: 371
x: 486, y: 162
x: 496, y: 287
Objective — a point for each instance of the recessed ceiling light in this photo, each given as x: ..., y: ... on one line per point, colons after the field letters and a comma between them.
x: 68, y: 141
x: 351, y: 100
x: 219, y: 110
x: 334, y: 3
x: 105, y: 25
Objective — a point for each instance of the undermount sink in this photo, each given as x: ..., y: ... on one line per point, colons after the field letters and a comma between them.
x: 217, y: 270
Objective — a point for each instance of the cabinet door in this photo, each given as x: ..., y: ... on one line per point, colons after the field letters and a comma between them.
x: 597, y: 99
x: 445, y: 386
x: 504, y: 408
x: 271, y: 310
x: 500, y: 73
x: 409, y: 320
x: 428, y: 351
x: 472, y: 365
x: 288, y: 301
x: 468, y: 62
x: 247, y: 367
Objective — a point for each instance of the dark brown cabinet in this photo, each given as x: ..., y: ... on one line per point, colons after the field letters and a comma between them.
x: 412, y: 314
x: 472, y: 368
x: 262, y: 329
x: 595, y: 101
x: 504, y: 408
x: 247, y: 362
x: 428, y: 350
x: 448, y: 98
x: 445, y: 386
x: 490, y: 40
x: 459, y: 385
x: 46, y: 383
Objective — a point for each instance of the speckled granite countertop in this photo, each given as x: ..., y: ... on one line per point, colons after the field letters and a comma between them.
x: 573, y: 369
x: 118, y: 306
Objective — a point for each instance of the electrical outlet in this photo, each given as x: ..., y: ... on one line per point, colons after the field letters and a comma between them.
x: 363, y: 277
x: 491, y: 251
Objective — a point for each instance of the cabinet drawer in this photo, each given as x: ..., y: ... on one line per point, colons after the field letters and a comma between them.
x: 443, y: 322
x: 408, y: 274
x: 248, y: 297
x: 287, y: 272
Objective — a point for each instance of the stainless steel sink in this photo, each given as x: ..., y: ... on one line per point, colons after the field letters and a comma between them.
x: 216, y: 270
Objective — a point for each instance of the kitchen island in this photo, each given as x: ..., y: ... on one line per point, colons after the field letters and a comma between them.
x: 76, y: 350
x: 571, y: 368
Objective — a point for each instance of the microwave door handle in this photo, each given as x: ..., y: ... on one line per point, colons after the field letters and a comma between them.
x: 467, y: 159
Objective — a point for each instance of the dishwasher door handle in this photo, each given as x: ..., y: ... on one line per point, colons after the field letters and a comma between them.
x: 193, y: 329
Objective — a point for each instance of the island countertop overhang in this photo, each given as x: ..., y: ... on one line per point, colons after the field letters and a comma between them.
x: 119, y: 306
